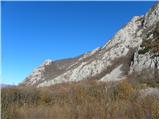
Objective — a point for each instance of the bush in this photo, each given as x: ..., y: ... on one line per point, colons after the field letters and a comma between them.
x: 143, y: 51
x: 147, y: 77
x: 84, y: 99
x: 124, y: 90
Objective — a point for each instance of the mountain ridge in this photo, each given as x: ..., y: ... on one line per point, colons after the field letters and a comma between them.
x: 119, y: 55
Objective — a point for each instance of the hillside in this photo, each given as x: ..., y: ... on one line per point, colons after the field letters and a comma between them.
x: 133, y: 48
x: 118, y: 80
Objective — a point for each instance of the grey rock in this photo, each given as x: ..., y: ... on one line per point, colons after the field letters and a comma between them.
x: 114, y: 61
x: 149, y: 91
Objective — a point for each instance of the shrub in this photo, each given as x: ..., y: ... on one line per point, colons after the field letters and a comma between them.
x: 84, y: 99
x: 124, y: 89
x: 143, y: 51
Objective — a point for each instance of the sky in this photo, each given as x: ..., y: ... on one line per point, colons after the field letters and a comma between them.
x: 32, y: 32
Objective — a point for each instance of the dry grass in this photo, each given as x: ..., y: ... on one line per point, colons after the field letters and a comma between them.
x: 85, y: 99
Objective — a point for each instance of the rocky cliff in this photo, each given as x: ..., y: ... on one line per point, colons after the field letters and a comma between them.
x: 134, y: 48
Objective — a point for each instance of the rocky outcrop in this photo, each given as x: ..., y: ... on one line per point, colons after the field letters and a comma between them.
x: 115, y: 74
x: 147, y: 54
x: 113, y: 61
x: 37, y: 74
x: 48, y: 70
x: 149, y: 91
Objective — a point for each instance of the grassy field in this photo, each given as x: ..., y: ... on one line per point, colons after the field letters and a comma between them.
x: 85, y: 99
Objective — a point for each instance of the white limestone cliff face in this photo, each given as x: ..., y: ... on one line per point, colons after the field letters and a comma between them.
x: 106, y: 62
x: 37, y: 74
x: 142, y: 62
x: 117, y: 47
x: 152, y: 16
x: 115, y: 75
x: 127, y: 35
x: 148, y: 59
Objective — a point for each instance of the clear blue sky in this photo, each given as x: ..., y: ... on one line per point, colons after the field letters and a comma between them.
x: 35, y: 31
